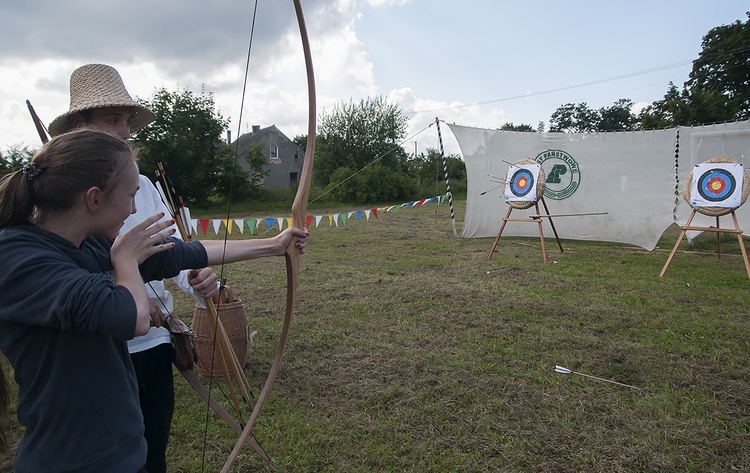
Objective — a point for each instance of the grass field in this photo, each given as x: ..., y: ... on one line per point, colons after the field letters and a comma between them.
x: 410, y: 351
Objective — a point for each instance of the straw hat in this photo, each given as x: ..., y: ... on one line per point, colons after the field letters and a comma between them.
x: 99, y: 86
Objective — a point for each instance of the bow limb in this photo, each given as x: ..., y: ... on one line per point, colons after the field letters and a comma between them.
x: 299, y: 211
x: 37, y: 123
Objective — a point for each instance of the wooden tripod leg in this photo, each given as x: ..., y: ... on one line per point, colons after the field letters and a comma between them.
x: 742, y: 244
x: 718, y: 238
x: 193, y: 380
x: 541, y: 233
x: 554, y: 230
x: 502, y: 227
x: 677, y: 245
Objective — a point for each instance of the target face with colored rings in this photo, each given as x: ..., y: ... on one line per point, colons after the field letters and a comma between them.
x: 522, y: 182
x: 716, y: 185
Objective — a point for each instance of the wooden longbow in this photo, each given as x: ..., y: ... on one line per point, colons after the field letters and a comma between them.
x: 299, y: 211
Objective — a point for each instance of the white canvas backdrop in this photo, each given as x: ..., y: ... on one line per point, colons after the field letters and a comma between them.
x: 631, y: 176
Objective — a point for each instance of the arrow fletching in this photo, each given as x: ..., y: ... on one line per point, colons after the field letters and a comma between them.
x: 562, y: 370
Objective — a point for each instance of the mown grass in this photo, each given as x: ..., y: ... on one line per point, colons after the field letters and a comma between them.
x: 411, y: 351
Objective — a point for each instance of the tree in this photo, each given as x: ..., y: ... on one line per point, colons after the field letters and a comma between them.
x: 428, y: 168
x: 256, y: 161
x: 301, y: 141
x: 356, y: 136
x: 618, y: 117
x: 718, y: 88
x: 574, y: 118
x: 723, y: 70
x: 580, y: 118
x: 187, y: 138
x: 511, y: 127
x: 15, y: 157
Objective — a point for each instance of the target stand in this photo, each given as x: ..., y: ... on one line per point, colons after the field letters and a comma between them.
x: 714, y: 185
x: 536, y: 218
x: 524, y: 180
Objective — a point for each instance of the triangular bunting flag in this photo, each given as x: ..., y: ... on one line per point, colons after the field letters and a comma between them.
x: 359, y: 215
x: 288, y: 222
x: 269, y: 221
x: 308, y: 220
x: 251, y: 225
x: 318, y: 218
x: 281, y: 222
x: 367, y: 214
x: 217, y: 224
x: 204, y: 224
x: 343, y: 218
x: 240, y: 224
x: 375, y: 212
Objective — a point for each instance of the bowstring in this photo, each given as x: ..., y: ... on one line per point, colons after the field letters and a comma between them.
x: 229, y: 211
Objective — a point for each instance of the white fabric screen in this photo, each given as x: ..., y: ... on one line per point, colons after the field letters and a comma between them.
x: 631, y: 176
x: 636, y: 177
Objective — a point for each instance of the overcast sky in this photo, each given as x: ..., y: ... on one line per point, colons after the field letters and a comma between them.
x: 474, y: 62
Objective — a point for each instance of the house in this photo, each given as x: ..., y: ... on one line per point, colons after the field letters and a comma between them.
x: 284, y: 156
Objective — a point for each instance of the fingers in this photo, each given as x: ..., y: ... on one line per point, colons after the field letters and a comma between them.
x: 204, y: 282
x: 144, y: 239
x: 301, y: 235
x: 157, y: 316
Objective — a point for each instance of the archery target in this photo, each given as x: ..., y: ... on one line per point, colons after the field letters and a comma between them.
x: 717, y: 185
x: 522, y: 183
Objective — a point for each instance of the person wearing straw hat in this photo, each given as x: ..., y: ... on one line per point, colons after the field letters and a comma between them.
x: 98, y: 99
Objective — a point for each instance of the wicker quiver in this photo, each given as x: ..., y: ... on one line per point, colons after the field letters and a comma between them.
x: 232, y: 315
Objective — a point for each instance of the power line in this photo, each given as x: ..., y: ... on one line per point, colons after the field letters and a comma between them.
x: 559, y: 89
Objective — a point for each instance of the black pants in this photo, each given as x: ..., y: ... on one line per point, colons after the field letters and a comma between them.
x: 153, y: 369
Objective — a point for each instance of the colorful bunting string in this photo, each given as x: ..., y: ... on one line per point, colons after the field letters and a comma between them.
x: 255, y: 224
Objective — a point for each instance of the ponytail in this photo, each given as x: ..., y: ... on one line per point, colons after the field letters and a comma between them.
x: 15, y: 199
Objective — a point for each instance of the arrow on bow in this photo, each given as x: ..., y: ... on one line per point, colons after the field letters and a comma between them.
x: 299, y: 211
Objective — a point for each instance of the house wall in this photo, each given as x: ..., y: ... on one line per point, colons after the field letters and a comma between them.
x: 286, y: 167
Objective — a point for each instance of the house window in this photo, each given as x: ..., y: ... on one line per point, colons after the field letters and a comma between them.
x: 293, y: 178
x: 273, y: 152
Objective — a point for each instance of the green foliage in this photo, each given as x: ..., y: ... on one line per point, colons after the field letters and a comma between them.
x: 429, y: 168
x: 14, y: 158
x: 717, y: 91
x: 580, y: 118
x: 522, y: 127
x: 723, y: 69
x: 574, y: 118
x: 375, y: 183
x: 686, y: 107
x: 301, y: 141
x: 618, y: 117
x: 355, y: 135
x: 257, y: 172
x: 187, y: 138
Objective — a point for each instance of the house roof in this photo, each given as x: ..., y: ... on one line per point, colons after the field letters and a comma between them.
x: 248, y: 139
